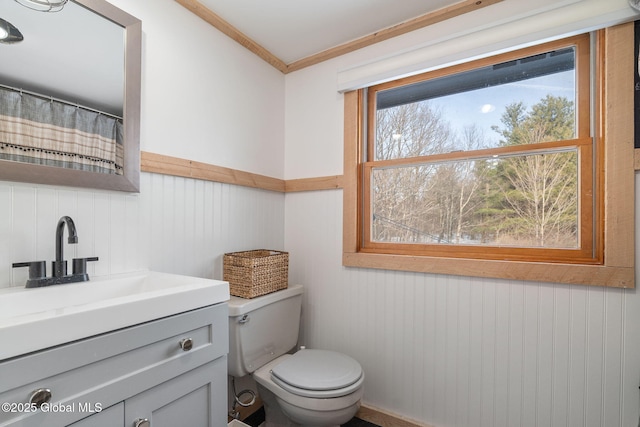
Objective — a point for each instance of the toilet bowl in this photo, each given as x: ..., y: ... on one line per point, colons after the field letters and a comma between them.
x: 311, y: 387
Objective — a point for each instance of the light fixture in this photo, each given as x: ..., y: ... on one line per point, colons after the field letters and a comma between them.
x: 44, y: 5
x: 9, y: 33
x: 635, y: 4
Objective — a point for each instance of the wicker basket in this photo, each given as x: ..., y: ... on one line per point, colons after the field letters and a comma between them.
x: 254, y: 273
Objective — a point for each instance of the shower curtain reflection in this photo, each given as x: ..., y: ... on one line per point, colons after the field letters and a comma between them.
x: 40, y: 130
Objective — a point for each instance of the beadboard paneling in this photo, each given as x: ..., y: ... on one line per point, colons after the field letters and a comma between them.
x: 175, y: 225
x: 443, y: 350
x: 462, y: 351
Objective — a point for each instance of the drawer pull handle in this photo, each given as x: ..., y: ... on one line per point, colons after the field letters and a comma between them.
x: 141, y: 422
x: 186, y: 344
x: 40, y: 397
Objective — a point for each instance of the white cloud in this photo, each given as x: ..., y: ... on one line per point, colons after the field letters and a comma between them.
x: 487, y: 108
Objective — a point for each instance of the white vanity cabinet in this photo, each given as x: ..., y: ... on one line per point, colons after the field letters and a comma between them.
x: 108, y: 417
x: 167, y: 372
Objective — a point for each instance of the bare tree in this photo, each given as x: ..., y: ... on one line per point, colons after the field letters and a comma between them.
x: 403, y: 196
x: 543, y: 195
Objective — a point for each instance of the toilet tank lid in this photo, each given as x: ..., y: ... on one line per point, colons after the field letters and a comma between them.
x: 239, y: 306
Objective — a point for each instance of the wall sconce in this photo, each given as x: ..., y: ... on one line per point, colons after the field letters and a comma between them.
x: 44, y: 5
x: 9, y: 33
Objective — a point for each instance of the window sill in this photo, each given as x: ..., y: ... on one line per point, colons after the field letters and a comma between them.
x: 595, y: 275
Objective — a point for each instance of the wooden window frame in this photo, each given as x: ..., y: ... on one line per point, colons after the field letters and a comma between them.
x: 614, y: 116
x: 588, y: 251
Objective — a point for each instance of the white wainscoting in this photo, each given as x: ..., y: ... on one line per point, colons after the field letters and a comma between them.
x: 460, y: 351
x: 444, y: 350
x: 175, y: 225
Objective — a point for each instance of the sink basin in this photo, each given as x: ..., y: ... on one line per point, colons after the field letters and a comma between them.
x: 37, y: 318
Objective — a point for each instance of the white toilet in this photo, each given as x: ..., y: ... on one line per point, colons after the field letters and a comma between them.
x: 308, y: 388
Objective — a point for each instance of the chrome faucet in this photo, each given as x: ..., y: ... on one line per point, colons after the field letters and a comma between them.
x: 38, y: 269
x: 60, y: 265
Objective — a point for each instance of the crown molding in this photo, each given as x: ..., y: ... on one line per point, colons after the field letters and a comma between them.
x: 427, y: 19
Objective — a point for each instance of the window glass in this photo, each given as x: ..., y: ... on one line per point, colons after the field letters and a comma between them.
x: 522, y: 101
x: 519, y: 200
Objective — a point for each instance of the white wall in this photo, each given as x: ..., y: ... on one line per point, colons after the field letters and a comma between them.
x: 447, y: 350
x: 204, y: 97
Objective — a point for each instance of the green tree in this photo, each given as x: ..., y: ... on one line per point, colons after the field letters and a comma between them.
x: 539, y: 190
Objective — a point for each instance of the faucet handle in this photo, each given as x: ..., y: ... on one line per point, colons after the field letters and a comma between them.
x: 37, y: 269
x: 79, y: 265
x: 37, y: 272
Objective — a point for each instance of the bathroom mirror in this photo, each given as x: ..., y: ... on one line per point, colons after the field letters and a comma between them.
x: 87, y: 55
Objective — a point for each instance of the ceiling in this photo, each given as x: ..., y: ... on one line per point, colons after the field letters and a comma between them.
x: 292, y: 30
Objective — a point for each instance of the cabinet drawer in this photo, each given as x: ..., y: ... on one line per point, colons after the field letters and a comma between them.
x: 110, y: 417
x: 197, y: 398
x: 109, y: 368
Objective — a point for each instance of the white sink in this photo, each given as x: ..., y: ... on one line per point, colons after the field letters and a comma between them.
x: 37, y: 318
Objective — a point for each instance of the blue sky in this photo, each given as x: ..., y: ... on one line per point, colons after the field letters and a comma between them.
x: 485, y: 106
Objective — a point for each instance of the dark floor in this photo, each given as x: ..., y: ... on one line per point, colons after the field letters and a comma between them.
x: 257, y: 417
x: 357, y: 422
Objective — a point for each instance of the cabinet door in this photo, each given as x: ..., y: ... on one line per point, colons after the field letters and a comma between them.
x: 197, y: 398
x: 110, y: 368
x: 112, y: 416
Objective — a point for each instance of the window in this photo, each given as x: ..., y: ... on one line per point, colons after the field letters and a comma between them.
x: 494, y: 161
x: 482, y: 160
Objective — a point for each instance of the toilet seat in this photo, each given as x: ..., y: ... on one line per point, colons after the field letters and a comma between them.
x: 318, y: 374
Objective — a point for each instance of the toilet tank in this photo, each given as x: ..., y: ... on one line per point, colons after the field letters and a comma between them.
x: 262, y: 329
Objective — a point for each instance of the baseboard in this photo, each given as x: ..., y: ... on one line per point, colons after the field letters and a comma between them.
x: 386, y: 419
